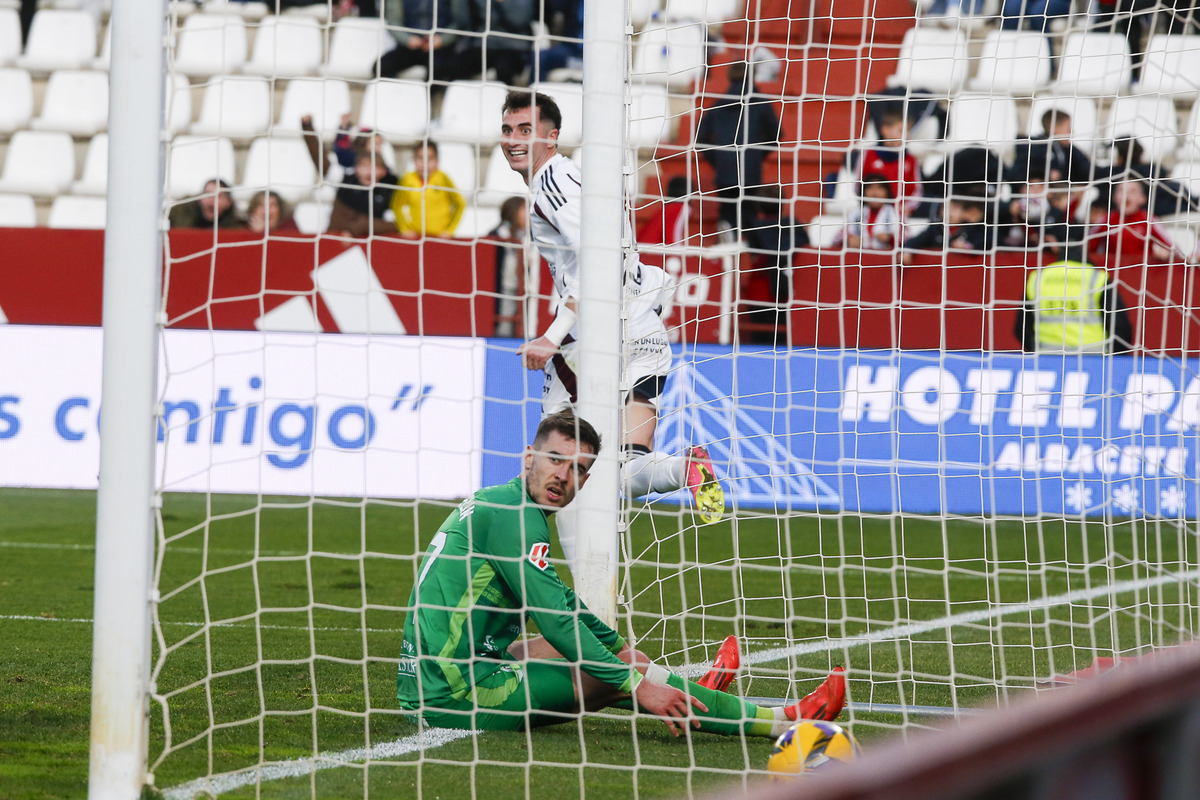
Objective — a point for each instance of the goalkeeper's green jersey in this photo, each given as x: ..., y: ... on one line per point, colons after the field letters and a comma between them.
x: 486, y: 571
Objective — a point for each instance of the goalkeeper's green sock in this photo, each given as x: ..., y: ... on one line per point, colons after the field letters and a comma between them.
x: 728, y: 714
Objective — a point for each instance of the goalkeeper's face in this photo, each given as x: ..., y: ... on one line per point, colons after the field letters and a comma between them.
x: 556, y: 469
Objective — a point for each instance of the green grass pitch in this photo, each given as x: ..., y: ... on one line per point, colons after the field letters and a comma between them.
x: 307, y: 600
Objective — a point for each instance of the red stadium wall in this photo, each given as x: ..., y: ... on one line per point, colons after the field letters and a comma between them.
x: 447, y: 287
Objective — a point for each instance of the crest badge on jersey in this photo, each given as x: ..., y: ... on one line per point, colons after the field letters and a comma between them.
x: 539, y: 555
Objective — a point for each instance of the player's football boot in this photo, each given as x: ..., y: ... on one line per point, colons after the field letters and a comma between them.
x: 823, y: 703
x: 702, y: 480
x: 724, y: 667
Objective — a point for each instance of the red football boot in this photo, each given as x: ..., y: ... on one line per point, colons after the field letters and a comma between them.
x: 823, y: 703
x: 724, y: 667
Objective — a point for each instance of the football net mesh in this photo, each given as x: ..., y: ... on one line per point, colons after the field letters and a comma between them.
x: 907, y: 494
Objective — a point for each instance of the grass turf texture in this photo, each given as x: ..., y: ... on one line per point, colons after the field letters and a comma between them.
x: 329, y: 625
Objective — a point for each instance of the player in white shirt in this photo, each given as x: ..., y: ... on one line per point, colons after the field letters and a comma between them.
x: 529, y: 128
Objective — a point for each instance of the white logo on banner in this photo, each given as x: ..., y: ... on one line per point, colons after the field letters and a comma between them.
x: 753, y: 462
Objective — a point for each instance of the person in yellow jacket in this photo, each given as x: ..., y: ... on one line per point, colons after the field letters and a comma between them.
x: 1072, y: 307
x: 427, y: 203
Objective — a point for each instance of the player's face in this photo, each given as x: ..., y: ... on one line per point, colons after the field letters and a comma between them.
x: 527, y: 143
x: 556, y: 469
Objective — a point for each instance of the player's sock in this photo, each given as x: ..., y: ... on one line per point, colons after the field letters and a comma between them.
x: 645, y: 471
x: 728, y: 714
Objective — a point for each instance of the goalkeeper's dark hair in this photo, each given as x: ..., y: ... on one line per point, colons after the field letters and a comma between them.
x: 547, y: 109
x: 577, y: 429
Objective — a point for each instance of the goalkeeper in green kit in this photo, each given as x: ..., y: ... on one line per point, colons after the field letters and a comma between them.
x: 488, y: 569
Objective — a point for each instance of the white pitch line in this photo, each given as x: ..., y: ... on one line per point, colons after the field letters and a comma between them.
x: 298, y: 768
x: 31, y: 618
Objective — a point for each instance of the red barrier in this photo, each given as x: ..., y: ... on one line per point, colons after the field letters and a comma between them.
x: 447, y: 287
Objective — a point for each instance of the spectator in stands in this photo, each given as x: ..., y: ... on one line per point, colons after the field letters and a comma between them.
x: 1051, y: 157
x: 734, y: 137
x: 510, y: 263
x: 268, y: 213
x: 213, y: 208
x: 891, y: 159
x: 971, y: 172
x: 1133, y: 19
x: 1071, y: 307
x: 952, y: 13
x: 1167, y: 197
x: 669, y: 225
x: 1034, y: 15
x: 564, y: 18
x: 875, y: 223
x: 364, y: 197
x: 773, y: 238
x: 504, y: 46
x: 1123, y: 232
x: 427, y: 202
x: 425, y: 32
x: 963, y: 230
x: 914, y: 105
x: 346, y: 145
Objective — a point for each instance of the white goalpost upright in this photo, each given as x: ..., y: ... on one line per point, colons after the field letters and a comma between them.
x: 603, y: 245
x: 125, y: 521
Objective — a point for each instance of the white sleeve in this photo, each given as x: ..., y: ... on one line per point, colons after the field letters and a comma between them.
x: 565, y: 198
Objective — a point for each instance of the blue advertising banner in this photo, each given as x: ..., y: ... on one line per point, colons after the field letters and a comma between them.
x: 916, y: 432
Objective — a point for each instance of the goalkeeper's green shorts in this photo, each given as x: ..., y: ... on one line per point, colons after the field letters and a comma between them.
x: 530, y: 696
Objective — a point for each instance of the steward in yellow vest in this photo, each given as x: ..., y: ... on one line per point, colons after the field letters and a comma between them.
x: 1071, y: 307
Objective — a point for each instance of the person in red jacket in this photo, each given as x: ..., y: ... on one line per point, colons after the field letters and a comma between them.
x: 1125, y: 233
x: 890, y: 159
x: 669, y: 225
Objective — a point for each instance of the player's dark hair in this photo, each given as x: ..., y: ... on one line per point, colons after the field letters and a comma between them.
x: 577, y: 429
x: 547, y: 109
x: 876, y: 179
x: 890, y: 117
x: 1052, y: 117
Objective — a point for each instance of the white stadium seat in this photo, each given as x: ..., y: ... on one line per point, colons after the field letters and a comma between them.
x: 10, y: 36
x: 249, y: 10
x: 674, y: 54
x: 824, y: 229
x: 1191, y: 135
x: 41, y: 163
x: 476, y: 222
x: 650, y: 110
x: 642, y: 11
x: 95, y: 168
x: 1083, y: 117
x: 16, y: 87
x: 325, y: 99
x: 397, y: 109
x: 1150, y: 119
x: 931, y: 59
x: 238, y: 107
x: 461, y: 162
x: 707, y: 11
x: 1013, y: 62
x: 312, y: 217
x: 989, y: 120
x: 103, y: 61
x: 569, y: 97
x: 211, y: 44
x: 1171, y: 66
x: 82, y: 213
x: 178, y: 109
x: 471, y: 112
x: 1094, y: 64
x: 195, y: 160
x: 286, y: 45
x: 76, y: 102
x: 355, y: 47
x: 17, y: 211
x: 60, y: 40
x: 1188, y: 173
x: 283, y: 165
x: 500, y: 181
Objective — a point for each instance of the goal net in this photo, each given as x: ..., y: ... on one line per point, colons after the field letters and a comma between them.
x: 909, y: 494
